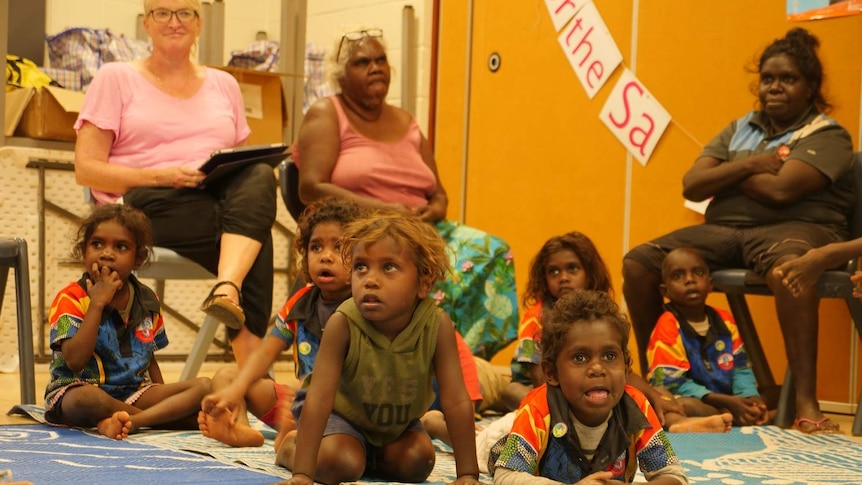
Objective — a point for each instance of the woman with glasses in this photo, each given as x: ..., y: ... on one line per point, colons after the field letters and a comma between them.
x: 145, y: 128
x: 358, y: 146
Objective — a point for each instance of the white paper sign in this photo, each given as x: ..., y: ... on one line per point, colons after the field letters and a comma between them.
x: 590, y: 49
x: 699, y: 207
x: 563, y: 10
x: 634, y: 117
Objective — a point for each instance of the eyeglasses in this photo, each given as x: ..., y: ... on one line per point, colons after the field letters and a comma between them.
x: 184, y: 15
x: 355, y: 36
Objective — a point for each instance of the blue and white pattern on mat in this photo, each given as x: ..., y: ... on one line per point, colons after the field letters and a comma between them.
x: 42, y: 454
x: 768, y: 455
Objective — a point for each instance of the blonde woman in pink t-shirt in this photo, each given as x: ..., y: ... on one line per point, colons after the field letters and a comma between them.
x: 357, y: 146
x: 145, y: 128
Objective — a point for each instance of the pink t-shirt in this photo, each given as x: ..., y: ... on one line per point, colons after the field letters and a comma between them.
x: 389, y: 172
x: 155, y: 130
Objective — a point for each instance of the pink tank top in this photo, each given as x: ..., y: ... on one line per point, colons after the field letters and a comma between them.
x: 389, y: 172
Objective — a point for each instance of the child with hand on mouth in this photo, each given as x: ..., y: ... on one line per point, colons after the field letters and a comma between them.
x: 105, y: 329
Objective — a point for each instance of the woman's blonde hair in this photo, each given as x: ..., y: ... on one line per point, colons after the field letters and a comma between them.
x: 342, y: 50
x: 193, y: 4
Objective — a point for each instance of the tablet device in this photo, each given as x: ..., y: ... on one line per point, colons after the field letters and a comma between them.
x: 227, y: 161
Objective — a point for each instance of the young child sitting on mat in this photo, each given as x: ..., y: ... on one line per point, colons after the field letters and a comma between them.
x: 299, y: 325
x: 104, y: 330
x: 695, y: 351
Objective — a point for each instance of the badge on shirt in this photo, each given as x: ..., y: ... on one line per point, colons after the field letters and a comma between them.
x: 719, y: 345
x: 560, y: 430
x: 725, y: 361
x: 304, y: 348
x: 783, y: 152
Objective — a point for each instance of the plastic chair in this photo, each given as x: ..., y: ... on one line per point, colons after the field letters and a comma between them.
x: 288, y: 177
x: 165, y: 264
x: 13, y: 254
x: 736, y: 283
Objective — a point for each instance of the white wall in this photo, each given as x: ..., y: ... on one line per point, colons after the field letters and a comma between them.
x: 327, y: 21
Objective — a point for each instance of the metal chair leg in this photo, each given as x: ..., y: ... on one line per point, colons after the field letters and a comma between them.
x: 198, y: 352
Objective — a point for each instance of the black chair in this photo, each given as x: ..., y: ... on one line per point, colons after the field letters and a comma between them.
x: 13, y: 254
x: 288, y: 176
x: 736, y: 283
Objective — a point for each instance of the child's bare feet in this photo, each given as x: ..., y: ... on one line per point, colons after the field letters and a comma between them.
x: 435, y: 425
x: 286, y: 421
x: 285, y: 448
x: 117, y: 426
x: 221, y: 428
x: 719, y: 423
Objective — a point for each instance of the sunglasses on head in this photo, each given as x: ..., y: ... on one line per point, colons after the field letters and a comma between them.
x: 355, y: 36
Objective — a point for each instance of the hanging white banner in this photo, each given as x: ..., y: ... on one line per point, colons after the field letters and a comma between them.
x: 563, y: 10
x: 590, y: 49
x: 635, y: 117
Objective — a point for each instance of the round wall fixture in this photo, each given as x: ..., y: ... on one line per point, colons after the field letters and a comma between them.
x: 494, y: 62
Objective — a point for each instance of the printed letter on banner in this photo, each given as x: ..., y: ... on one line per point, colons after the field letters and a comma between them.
x: 635, y: 117
x: 590, y: 48
x: 562, y: 11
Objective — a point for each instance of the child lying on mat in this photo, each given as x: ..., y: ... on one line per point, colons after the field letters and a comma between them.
x: 359, y: 414
x: 104, y: 330
x: 299, y: 325
x: 585, y: 425
x: 695, y: 351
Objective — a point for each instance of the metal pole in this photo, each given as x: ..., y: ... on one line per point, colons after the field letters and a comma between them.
x: 292, y: 61
x: 408, y: 55
x: 4, y: 45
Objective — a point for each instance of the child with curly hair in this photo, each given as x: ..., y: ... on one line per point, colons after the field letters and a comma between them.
x: 585, y: 425
x: 358, y: 413
x: 299, y: 325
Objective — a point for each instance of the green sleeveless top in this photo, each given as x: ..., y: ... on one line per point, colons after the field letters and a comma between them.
x: 385, y: 385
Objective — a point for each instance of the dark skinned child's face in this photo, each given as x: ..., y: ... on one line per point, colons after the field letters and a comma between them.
x: 564, y: 273
x: 688, y: 282
x: 325, y: 264
x: 590, y: 370
x: 111, y: 246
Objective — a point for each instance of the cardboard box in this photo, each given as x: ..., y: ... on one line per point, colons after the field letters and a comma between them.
x: 50, y: 114
x: 16, y: 102
x: 264, y: 104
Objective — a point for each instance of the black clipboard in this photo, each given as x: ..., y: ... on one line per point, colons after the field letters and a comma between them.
x: 225, y: 162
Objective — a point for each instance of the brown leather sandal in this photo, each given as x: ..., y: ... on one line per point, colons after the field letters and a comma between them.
x: 220, y: 307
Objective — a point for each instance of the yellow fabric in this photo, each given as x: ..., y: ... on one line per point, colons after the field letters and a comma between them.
x: 23, y: 73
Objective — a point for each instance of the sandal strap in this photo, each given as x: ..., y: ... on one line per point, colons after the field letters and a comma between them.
x: 212, y: 293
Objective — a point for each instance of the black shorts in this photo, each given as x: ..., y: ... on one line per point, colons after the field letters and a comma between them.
x: 757, y: 248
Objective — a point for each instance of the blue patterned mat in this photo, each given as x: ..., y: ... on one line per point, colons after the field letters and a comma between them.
x: 43, y: 454
x: 769, y: 455
x: 752, y: 455
x: 201, y: 455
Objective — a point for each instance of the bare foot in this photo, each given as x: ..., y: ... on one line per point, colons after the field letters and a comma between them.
x: 435, y: 425
x: 285, y: 449
x: 221, y: 428
x: 117, y: 426
x: 286, y: 421
x: 801, y: 273
x: 719, y: 423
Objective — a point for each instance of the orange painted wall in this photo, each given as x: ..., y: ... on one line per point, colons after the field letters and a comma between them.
x: 540, y: 162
